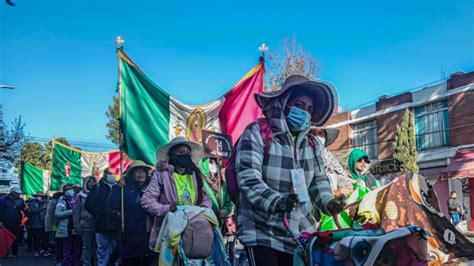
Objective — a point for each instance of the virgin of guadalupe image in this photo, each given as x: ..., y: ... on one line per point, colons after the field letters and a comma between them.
x: 195, y: 124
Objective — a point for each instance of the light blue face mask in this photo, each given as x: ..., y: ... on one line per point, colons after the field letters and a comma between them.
x: 298, y: 119
x: 69, y: 193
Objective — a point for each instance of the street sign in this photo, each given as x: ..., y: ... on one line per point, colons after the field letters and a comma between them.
x: 385, y: 167
x: 216, y: 145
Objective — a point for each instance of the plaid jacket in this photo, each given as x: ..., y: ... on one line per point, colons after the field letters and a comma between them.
x: 264, y: 181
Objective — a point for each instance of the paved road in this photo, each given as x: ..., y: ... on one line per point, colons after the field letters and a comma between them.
x: 27, y: 259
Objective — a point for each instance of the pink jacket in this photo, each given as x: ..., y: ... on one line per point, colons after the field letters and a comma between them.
x: 160, y: 194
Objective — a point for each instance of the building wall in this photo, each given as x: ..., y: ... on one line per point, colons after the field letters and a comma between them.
x: 461, y: 118
x: 343, y: 141
x: 387, y: 102
x: 460, y: 79
x: 386, y: 130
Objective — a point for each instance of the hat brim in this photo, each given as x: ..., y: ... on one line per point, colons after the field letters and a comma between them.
x: 135, y: 167
x: 324, y: 95
x: 331, y: 135
x: 196, y: 150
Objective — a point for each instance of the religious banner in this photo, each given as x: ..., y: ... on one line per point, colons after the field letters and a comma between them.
x: 150, y: 116
x: 216, y: 145
x: 33, y: 179
x: 70, y: 165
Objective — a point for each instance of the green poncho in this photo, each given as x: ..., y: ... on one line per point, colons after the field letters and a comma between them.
x: 226, y: 203
x: 360, y: 190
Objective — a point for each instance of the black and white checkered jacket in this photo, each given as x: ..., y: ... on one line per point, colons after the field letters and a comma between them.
x: 265, y: 178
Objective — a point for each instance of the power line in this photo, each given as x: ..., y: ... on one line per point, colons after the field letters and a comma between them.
x: 77, y: 143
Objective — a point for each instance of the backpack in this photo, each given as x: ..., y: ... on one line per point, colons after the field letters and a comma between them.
x: 230, y: 171
x: 198, y: 238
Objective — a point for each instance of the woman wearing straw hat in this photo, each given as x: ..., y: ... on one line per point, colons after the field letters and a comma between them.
x: 176, y: 181
x: 124, y: 201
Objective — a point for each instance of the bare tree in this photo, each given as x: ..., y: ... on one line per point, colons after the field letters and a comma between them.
x: 13, y: 142
x: 291, y: 58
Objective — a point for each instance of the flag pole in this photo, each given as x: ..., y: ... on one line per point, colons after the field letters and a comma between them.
x: 263, y: 48
x: 120, y: 42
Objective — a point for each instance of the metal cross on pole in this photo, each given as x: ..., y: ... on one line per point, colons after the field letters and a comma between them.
x: 119, y: 41
x: 263, y: 48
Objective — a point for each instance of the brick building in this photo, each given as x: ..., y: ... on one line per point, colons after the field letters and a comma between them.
x: 444, y: 126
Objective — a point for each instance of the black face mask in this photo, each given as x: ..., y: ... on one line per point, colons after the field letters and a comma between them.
x: 183, y: 161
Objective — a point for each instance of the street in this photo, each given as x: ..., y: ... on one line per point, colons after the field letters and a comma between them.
x: 27, y: 259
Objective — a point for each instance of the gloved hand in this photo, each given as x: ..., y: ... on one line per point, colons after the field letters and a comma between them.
x: 173, y: 207
x: 287, y: 203
x: 336, y: 205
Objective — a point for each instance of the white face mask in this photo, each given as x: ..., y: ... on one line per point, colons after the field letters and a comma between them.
x: 110, y: 179
x: 213, y: 168
x: 322, y: 140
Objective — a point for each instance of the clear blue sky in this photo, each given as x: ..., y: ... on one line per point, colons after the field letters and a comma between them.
x: 61, y: 58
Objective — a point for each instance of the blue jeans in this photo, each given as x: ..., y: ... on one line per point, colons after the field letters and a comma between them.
x: 456, y: 218
x: 106, y: 243
x: 88, y: 246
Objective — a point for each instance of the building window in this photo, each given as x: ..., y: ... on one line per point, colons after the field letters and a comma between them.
x: 432, y: 125
x: 365, y: 137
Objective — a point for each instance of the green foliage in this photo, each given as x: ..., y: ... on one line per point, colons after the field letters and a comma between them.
x: 404, y: 145
x: 39, y: 154
x: 113, y: 125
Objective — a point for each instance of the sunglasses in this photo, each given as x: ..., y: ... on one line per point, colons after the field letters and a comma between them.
x: 363, y: 159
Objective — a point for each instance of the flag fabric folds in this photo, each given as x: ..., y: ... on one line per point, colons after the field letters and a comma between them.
x: 34, y: 179
x: 70, y: 165
x: 150, y: 116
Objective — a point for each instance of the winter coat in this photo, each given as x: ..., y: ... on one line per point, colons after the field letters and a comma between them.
x: 64, y: 219
x: 10, y: 211
x: 453, y: 206
x: 37, y: 213
x: 83, y: 220
x: 134, y: 240
x: 96, y: 205
x: 51, y: 221
x: 160, y: 194
x: 264, y: 177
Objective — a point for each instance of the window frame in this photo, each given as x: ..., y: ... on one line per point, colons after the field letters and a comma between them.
x: 429, y: 110
x: 369, y: 126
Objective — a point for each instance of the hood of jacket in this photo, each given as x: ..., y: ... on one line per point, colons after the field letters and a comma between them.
x: 274, y: 108
x: 84, y: 192
x: 354, y: 156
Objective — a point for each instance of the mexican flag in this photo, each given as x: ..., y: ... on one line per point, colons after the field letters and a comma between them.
x: 70, y: 165
x: 34, y: 179
x: 151, y: 117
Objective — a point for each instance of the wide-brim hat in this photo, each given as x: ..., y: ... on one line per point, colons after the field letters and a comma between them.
x: 137, y: 164
x: 39, y: 194
x: 16, y: 189
x: 331, y: 135
x: 324, y: 95
x: 196, y: 149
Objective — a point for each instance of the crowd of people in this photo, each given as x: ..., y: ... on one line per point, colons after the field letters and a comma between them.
x: 282, y: 167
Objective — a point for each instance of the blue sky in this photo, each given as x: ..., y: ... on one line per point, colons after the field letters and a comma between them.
x: 61, y: 58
